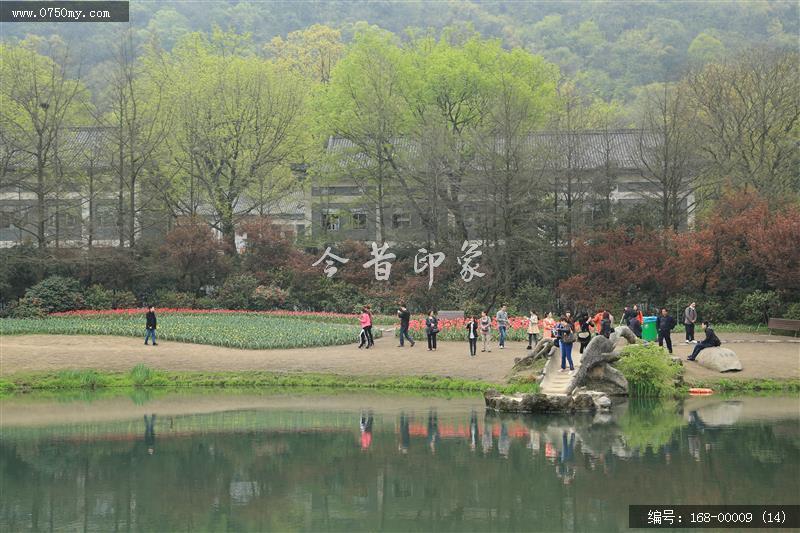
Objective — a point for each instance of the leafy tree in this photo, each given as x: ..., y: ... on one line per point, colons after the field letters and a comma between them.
x: 312, y: 53
x: 39, y: 99
x: 237, y: 128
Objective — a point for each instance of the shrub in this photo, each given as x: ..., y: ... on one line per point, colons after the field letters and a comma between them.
x: 174, y: 299
x: 267, y: 297
x: 96, y: 297
x: 793, y: 311
x: 57, y: 294
x: 237, y: 292
x: 27, y: 307
x: 758, y: 306
x: 648, y: 370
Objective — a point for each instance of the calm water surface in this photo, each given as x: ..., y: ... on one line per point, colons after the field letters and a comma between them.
x: 358, y: 462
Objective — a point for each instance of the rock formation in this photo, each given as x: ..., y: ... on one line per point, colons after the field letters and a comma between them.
x: 584, y: 401
x: 596, y: 372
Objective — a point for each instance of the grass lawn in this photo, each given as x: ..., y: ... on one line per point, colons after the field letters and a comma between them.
x: 241, y: 330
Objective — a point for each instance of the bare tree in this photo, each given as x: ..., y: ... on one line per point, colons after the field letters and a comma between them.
x: 666, y: 152
x: 138, y: 122
x: 748, y: 112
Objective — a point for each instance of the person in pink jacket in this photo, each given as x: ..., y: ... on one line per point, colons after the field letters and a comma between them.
x: 366, y: 328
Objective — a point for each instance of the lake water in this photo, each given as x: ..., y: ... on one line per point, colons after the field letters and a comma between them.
x: 323, y: 461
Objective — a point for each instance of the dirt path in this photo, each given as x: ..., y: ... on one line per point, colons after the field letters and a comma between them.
x: 26, y: 353
x: 761, y: 356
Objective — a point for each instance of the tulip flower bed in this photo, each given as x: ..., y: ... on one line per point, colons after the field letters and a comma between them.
x: 235, y: 330
x: 331, y: 318
x: 456, y: 329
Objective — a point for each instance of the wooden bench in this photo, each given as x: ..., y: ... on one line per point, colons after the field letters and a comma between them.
x: 450, y: 315
x: 785, y: 324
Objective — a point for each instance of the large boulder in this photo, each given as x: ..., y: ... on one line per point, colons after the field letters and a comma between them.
x: 719, y: 359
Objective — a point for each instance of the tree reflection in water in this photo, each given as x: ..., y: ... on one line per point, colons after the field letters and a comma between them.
x: 267, y: 469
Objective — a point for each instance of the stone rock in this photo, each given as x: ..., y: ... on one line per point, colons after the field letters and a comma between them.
x: 719, y: 359
x: 677, y: 360
x: 607, y: 379
x: 587, y: 401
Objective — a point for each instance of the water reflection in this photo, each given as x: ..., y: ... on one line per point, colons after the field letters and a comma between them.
x: 284, y: 469
x: 150, y: 433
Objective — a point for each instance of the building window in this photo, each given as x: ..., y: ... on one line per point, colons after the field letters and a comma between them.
x: 401, y: 220
x: 330, y: 221
x: 359, y: 220
x: 105, y: 217
x: 6, y: 220
x: 69, y: 218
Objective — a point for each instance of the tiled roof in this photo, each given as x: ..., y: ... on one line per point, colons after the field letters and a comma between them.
x: 75, y: 147
x: 581, y: 150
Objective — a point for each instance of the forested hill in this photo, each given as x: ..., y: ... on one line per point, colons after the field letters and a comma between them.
x: 610, y: 46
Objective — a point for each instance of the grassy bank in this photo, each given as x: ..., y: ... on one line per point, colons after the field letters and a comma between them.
x: 143, y: 376
x: 727, y: 385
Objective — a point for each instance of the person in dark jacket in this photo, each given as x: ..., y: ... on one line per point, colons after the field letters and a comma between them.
x: 665, y: 323
x: 636, y: 326
x: 431, y: 329
x: 404, y: 316
x: 605, y: 325
x: 711, y: 340
x: 627, y: 314
x: 472, y: 335
x: 150, y: 326
x: 584, y: 330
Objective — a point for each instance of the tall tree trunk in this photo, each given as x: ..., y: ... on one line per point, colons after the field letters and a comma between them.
x: 41, y: 199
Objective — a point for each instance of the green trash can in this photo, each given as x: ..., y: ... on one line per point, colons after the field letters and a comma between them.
x: 649, y: 332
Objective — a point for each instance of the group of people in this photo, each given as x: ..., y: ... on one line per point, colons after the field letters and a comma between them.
x: 566, y: 330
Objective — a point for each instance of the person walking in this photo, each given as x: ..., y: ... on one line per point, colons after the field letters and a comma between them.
x: 405, y: 318
x: 665, y: 323
x: 689, y: 319
x: 502, y: 326
x: 150, y: 325
x: 711, y: 340
x: 533, y: 329
x: 566, y: 338
x: 638, y: 313
x: 472, y: 335
x: 605, y: 325
x: 431, y: 329
x: 370, y: 339
x: 585, y: 327
x: 366, y: 322
x: 485, y: 326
